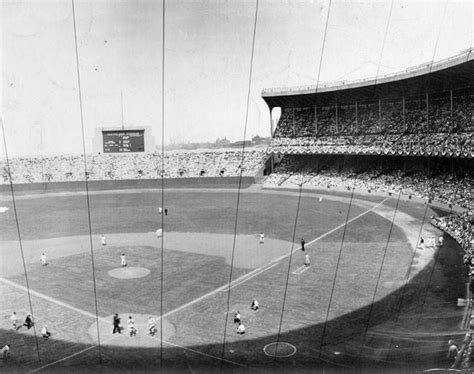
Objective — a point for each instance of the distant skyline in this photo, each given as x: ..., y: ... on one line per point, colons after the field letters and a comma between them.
x: 207, y: 61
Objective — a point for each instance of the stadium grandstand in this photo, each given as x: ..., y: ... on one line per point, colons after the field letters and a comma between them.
x: 173, y: 164
x: 410, y: 131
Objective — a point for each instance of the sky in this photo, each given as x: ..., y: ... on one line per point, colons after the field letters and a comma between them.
x: 207, y: 61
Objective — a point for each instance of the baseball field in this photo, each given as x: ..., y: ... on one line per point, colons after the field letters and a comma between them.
x: 372, y: 299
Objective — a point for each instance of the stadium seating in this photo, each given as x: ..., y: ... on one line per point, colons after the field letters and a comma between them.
x: 413, y: 115
x: 133, y: 166
x: 459, y: 227
x: 428, y: 144
x: 434, y: 183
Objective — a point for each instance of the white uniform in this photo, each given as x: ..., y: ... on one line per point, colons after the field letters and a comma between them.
x: 159, y: 233
x: 131, y: 327
x: 43, y: 259
x: 5, y: 352
x: 262, y: 238
x: 103, y: 240
x: 151, y: 326
x: 440, y: 241
x: 124, y: 262
x: 45, y: 333
x: 307, y: 262
x: 254, y: 305
x: 241, y: 329
x: 14, y: 320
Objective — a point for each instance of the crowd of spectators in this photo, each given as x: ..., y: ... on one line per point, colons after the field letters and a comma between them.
x: 436, y: 113
x: 441, y: 186
x: 133, y: 166
x: 427, y: 144
x: 459, y: 227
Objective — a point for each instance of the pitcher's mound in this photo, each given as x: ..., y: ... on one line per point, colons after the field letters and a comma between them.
x: 141, y: 339
x: 129, y: 272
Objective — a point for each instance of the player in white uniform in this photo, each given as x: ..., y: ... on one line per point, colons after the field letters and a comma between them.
x: 151, y: 326
x: 307, y: 261
x: 241, y: 329
x: 43, y: 259
x: 131, y: 326
x: 45, y: 333
x: 103, y: 241
x: 441, y: 241
x: 14, y: 321
x: 254, y: 305
x: 5, y: 351
x: 123, y: 260
x: 262, y: 238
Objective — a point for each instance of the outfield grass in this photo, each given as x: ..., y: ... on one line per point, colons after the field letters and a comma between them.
x: 374, y: 261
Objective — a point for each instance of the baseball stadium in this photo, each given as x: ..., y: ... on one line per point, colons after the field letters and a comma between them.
x: 342, y: 245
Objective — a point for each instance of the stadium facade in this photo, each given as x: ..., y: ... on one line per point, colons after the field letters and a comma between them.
x: 434, y: 99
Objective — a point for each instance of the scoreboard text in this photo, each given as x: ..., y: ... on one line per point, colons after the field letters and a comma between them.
x: 123, y: 141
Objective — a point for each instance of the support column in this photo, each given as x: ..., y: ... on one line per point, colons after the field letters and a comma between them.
x: 271, y: 122
x: 271, y: 135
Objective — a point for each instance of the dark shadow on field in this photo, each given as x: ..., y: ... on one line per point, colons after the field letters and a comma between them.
x: 406, y: 331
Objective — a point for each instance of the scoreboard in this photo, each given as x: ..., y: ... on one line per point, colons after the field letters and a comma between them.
x: 117, y: 141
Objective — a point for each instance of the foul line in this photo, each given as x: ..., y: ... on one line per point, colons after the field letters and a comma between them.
x: 93, y: 316
x: 301, y: 270
x: 248, y: 276
x: 215, y: 357
x: 48, y: 298
x: 235, y: 283
x: 332, y: 230
x: 68, y: 357
x: 172, y: 344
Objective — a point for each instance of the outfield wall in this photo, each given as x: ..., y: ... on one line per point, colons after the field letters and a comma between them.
x: 94, y: 185
x: 206, y: 182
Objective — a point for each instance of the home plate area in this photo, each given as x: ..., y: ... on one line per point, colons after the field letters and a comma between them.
x: 279, y: 349
x: 142, y: 337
